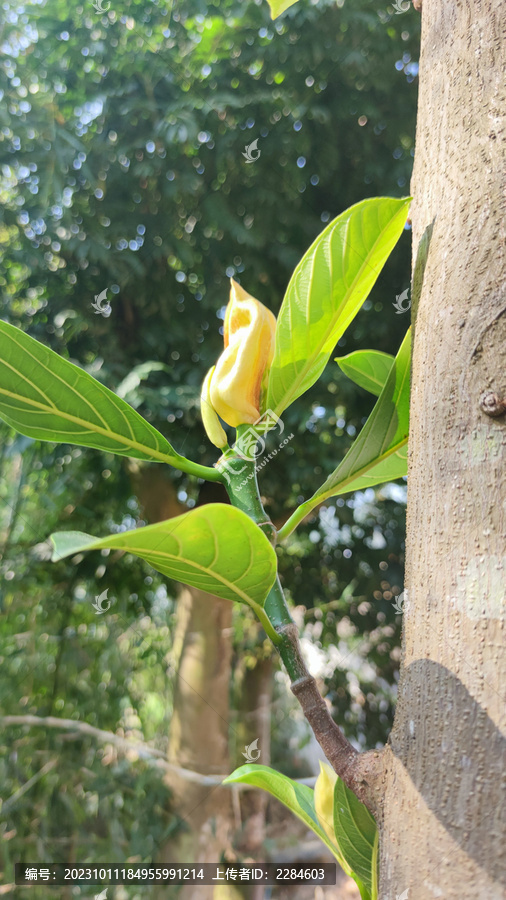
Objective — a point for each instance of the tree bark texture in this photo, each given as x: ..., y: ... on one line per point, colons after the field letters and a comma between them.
x: 443, y: 822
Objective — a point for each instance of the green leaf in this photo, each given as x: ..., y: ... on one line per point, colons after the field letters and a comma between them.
x: 379, y: 453
x: 374, y: 868
x: 279, y: 6
x: 215, y: 548
x: 298, y: 798
x: 48, y: 398
x: 356, y: 833
x: 367, y: 368
x: 326, y: 291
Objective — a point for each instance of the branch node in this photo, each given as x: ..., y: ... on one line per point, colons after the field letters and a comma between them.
x: 492, y: 404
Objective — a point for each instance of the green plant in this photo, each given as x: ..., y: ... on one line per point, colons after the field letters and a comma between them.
x: 229, y: 550
x: 333, y: 812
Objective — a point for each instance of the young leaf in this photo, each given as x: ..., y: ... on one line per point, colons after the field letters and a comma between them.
x: 324, y: 799
x: 48, y: 398
x: 356, y: 832
x: 298, y: 798
x: 367, y: 368
x: 279, y: 6
x: 374, y: 868
x: 215, y: 548
x: 379, y: 452
x: 326, y: 291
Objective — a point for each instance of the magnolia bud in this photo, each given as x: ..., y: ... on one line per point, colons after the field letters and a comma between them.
x: 211, y: 421
x: 236, y: 384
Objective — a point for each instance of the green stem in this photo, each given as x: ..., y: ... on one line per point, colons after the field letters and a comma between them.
x: 300, y: 513
x: 266, y: 624
x: 193, y: 468
x: 242, y: 487
x: 239, y: 475
x: 241, y: 482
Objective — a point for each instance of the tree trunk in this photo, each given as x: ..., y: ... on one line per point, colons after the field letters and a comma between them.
x: 199, y: 732
x: 200, y: 668
x: 442, y: 831
x: 253, y: 725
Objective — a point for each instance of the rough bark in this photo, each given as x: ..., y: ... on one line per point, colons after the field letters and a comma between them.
x: 443, y: 827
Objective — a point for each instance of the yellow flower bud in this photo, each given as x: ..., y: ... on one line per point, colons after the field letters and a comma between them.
x: 324, y: 799
x: 249, y: 348
x: 211, y: 421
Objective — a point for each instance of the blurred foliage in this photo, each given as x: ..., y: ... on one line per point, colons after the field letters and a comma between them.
x: 121, y: 150
x: 60, y: 658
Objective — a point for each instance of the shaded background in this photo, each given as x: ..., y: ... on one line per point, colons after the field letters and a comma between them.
x: 122, y: 137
